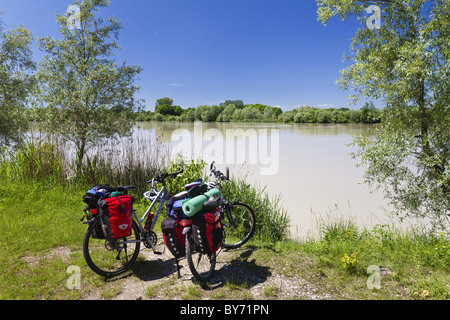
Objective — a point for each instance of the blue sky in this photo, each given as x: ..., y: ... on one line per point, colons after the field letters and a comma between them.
x: 196, y: 52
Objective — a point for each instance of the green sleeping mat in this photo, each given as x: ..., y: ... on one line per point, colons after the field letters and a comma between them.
x: 195, y: 205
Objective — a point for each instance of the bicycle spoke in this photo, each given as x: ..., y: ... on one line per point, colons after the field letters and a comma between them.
x: 110, y: 257
x: 239, y: 224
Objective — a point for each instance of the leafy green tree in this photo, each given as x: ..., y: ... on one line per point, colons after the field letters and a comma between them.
x: 188, y: 115
x: 405, y: 62
x: 250, y: 113
x: 16, y: 81
x: 239, y: 104
x: 207, y: 113
x: 165, y: 107
x: 81, y: 84
x: 227, y: 114
x: 369, y: 114
x: 287, y: 116
x: 257, y: 106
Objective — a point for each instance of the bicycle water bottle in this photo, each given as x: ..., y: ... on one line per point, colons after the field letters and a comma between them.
x: 149, y: 221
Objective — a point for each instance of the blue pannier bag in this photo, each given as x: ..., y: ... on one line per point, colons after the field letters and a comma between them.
x: 173, y: 206
x: 92, y: 196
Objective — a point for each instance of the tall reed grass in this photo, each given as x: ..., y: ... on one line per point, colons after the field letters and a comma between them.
x: 128, y: 161
x: 34, y: 159
x: 272, y: 220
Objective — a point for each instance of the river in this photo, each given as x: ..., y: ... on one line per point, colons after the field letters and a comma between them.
x: 308, y: 165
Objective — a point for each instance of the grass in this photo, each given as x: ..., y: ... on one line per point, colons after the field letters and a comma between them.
x: 412, y: 263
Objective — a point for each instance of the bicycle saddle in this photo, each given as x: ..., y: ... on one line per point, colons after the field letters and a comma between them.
x: 190, y: 185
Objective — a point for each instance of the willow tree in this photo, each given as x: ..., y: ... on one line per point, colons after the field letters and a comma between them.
x: 401, y: 55
x: 16, y: 81
x: 87, y: 94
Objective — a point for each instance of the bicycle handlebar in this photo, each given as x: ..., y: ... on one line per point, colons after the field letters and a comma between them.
x: 162, y: 176
x: 219, y: 175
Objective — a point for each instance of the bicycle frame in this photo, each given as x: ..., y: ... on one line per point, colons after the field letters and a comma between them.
x: 163, y: 194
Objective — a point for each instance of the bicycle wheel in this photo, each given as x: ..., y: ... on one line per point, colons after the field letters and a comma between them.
x: 238, y: 224
x: 110, y: 258
x: 201, y: 265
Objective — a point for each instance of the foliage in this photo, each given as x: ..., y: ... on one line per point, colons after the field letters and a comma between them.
x: 404, y: 258
x: 349, y: 262
x: 49, y: 161
x: 15, y: 82
x: 164, y: 106
x: 405, y: 63
x: 34, y: 161
x: 272, y: 221
x: 192, y: 171
x: 81, y: 86
x: 231, y: 112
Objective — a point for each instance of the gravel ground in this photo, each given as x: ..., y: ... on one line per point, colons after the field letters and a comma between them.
x: 240, y: 274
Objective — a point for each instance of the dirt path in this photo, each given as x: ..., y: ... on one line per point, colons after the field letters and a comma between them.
x: 239, y: 274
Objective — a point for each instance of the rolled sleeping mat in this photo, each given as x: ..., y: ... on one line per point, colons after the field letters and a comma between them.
x: 195, y: 205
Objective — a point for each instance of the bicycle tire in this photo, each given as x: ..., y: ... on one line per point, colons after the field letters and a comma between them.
x: 193, y: 257
x: 89, y: 243
x: 243, y: 226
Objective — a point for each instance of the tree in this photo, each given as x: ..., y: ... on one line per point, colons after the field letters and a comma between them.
x: 405, y: 62
x: 227, y: 114
x: 369, y: 114
x: 16, y: 81
x: 165, y: 107
x: 82, y: 85
x: 207, y: 113
x: 239, y: 104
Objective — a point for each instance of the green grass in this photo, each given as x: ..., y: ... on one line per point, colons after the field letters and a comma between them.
x: 37, y: 221
x: 34, y: 220
x: 411, y: 263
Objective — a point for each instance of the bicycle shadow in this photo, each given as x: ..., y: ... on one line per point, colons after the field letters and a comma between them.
x: 154, y: 267
x: 240, y: 270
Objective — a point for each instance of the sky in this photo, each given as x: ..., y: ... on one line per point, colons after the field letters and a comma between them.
x: 198, y: 52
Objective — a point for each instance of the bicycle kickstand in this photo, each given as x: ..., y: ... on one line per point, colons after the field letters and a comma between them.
x: 178, y: 268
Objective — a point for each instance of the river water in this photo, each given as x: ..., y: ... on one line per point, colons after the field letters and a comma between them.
x: 308, y: 165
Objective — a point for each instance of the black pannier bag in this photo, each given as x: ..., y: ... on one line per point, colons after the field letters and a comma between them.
x: 171, y: 228
x: 207, y: 231
x: 173, y: 237
x: 197, y: 190
x: 97, y: 233
x: 94, y: 194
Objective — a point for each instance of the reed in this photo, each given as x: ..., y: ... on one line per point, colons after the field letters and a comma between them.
x: 129, y: 161
x: 272, y: 220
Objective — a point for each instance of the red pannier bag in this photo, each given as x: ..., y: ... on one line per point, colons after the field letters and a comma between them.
x: 117, y: 215
x: 207, y: 231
